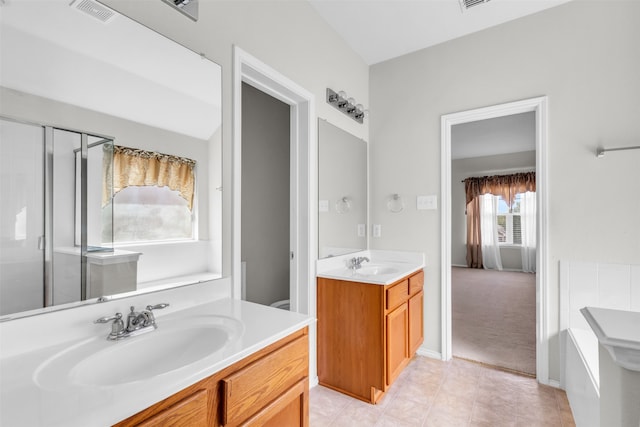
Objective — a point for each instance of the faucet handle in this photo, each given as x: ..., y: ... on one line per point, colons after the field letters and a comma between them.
x: 115, y: 318
x: 157, y: 306
x: 117, y: 327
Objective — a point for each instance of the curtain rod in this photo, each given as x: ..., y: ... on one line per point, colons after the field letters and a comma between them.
x: 93, y: 144
x: 520, y: 171
x: 600, y: 152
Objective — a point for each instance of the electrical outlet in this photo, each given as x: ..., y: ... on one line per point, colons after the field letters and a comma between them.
x: 361, y: 230
x: 323, y: 206
x: 377, y: 230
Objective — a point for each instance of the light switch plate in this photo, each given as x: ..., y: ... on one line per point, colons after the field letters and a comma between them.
x: 361, y: 230
x: 377, y: 230
x: 427, y: 202
x: 323, y: 206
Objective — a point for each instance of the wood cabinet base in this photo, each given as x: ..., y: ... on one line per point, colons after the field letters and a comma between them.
x: 268, y: 388
x: 367, y: 333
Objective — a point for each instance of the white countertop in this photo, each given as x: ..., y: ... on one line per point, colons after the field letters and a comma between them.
x: 24, y: 403
x: 619, y: 332
x: 403, y: 264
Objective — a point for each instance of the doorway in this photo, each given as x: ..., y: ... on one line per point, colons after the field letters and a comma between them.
x: 539, y: 107
x: 266, y: 213
x: 303, y: 178
x: 493, y: 283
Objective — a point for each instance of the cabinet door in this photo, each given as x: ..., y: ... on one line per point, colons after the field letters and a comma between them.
x: 416, y: 323
x: 397, y: 341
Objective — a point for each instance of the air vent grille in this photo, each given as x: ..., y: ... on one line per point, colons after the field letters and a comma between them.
x: 468, y: 4
x: 95, y: 9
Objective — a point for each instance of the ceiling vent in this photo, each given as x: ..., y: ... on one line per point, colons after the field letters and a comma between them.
x: 95, y: 9
x: 468, y: 4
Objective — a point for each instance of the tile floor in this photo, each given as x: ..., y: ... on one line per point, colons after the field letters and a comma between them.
x: 430, y: 392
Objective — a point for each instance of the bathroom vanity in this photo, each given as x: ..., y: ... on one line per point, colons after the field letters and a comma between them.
x: 221, y: 362
x: 370, y: 324
x: 270, y: 387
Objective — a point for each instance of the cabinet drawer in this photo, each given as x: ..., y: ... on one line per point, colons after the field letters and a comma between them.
x: 191, y: 411
x: 260, y: 383
x: 397, y: 294
x: 416, y: 282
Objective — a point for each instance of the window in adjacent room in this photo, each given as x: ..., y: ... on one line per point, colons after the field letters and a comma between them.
x: 509, y: 221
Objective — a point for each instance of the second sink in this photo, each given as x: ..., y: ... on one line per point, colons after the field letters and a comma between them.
x: 374, y: 270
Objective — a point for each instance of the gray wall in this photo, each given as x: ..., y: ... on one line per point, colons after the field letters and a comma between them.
x: 481, y: 166
x: 584, y: 56
x: 265, y: 195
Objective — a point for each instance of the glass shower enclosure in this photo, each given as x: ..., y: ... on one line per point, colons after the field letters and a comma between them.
x: 55, y: 210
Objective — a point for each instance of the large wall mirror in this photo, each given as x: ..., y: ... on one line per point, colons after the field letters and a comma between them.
x: 342, y: 191
x: 110, y: 158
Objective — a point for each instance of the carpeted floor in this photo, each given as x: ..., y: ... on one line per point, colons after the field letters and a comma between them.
x: 494, y: 318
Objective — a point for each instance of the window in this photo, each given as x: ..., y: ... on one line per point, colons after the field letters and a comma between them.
x: 148, y: 213
x: 153, y: 196
x: 509, y: 222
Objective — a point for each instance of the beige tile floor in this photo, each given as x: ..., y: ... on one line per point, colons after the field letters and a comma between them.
x: 430, y: 392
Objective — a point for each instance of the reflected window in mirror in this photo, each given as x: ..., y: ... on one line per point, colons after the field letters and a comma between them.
x: 153, y: 197
x: 139, y: 103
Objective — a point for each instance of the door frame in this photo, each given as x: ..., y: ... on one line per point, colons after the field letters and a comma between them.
x: 540, y: 107
x: 250, y: 70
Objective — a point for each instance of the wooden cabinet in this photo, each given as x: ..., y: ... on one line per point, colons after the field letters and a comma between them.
x: 268, y: 388
x: 367, y: 333
x: 397, y: 348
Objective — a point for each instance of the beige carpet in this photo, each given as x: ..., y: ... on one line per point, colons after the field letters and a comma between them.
x: 494, y: 318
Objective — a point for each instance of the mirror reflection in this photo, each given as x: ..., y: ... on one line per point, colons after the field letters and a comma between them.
x: 131, y: 203
x: 342, y: 191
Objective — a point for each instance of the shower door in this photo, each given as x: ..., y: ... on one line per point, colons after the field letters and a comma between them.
x: 21, y: 216
x: 52, y: 192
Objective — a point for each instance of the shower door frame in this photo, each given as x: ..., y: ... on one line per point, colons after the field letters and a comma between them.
x: 48, y: 214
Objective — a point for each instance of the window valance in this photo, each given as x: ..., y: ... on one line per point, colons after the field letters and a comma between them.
x: 131, y: 166
x: 506, y: 186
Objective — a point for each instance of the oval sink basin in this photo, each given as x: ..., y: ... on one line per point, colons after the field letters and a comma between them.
x: 98, y: 362
x: 375, y: 270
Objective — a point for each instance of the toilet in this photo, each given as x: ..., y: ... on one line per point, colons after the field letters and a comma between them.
x: 283, y: 304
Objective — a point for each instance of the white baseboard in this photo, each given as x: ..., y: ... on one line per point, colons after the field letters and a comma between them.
x: 429, y: 353
x: 554, y: 383
x: 313, y: 381
x: 460, y: 265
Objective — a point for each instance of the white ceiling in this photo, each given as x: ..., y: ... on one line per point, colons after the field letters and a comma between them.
x: 120, y: 68
x: 379, y: 30
x: 503, y: 135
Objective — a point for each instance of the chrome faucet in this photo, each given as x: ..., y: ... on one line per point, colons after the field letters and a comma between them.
x: 137, y: 322
x: 355, y: 263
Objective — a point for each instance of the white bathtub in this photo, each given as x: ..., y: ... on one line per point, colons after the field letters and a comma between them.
x: 582, y: 377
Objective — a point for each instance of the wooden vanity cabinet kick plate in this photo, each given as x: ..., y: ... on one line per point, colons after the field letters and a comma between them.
x: 268, y: 388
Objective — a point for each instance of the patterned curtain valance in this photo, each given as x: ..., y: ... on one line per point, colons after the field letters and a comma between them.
x: 506, y: 186
x: 132, y: 166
